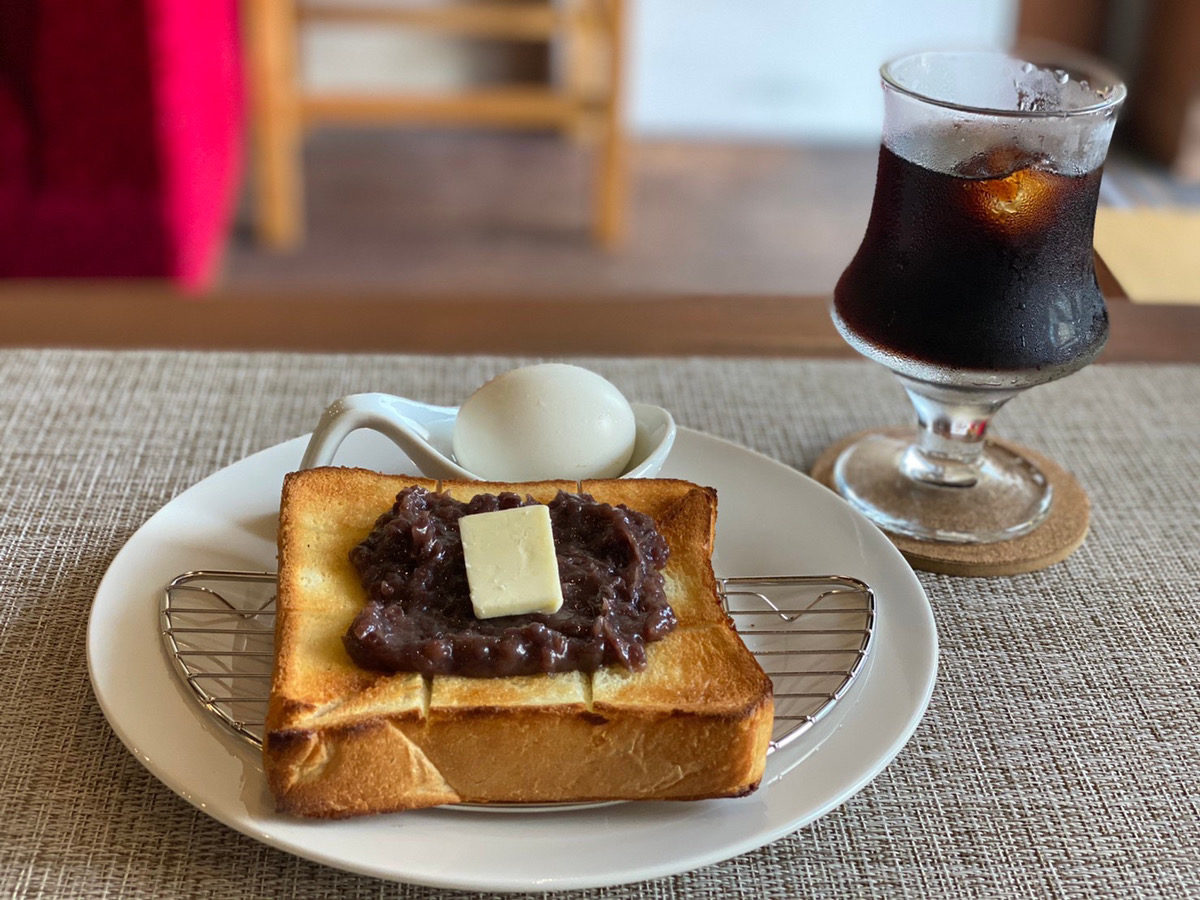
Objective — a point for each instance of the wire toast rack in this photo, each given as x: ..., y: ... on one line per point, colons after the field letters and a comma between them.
x: 811, y: 634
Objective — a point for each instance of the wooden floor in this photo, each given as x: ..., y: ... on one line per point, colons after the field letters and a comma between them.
x: 477, y: 213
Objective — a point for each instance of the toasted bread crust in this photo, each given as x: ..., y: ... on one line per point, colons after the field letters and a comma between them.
x: 343, y: 741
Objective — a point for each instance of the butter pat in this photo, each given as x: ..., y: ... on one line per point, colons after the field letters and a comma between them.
x: 511, y: 566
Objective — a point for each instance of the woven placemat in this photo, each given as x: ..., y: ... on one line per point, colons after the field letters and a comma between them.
x: 1060, y: 535
x: 1057, y: 757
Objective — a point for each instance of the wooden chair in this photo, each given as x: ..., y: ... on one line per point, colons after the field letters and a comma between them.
x: 281, y: 110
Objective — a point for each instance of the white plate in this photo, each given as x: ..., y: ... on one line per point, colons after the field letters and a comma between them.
x: 772, y: 521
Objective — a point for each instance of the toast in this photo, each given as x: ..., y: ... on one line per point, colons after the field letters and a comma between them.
x: 342, y: 741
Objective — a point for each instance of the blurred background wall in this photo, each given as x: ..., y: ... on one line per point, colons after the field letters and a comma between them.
x: 711, y: 69
x: 741, y: 161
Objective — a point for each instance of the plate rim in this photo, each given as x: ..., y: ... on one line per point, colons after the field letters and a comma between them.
x: 245, y: 821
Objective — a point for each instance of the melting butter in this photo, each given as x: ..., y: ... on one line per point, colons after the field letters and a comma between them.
x: 511, y: 566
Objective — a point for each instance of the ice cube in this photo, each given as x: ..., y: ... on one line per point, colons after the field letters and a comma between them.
x: 997, y: 162
x: 1023, y: 198
x: 1045, y: 89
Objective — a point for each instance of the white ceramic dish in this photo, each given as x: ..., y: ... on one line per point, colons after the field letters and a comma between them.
x: 425, y: 433
x: 772, y: 520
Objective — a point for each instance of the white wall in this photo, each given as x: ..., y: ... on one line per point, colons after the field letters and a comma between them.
x: 723, y: 69
x: 804, y: 69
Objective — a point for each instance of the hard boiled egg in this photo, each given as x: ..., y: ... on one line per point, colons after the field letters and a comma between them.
x: 545, y: 421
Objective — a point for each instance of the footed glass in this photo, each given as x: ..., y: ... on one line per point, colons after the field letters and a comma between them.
x: 975, y: 280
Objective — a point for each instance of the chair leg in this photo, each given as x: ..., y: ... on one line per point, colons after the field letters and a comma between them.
x: 583, y: 70
x: 271, y: 36
x: 612, y: 177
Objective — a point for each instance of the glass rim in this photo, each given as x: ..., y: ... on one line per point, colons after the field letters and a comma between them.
x: 1077, y: 66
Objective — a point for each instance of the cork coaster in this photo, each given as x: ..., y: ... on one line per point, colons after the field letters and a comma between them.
x: 1053, y: 541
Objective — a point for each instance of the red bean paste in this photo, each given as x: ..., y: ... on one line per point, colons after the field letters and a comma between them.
x: 418, y: 616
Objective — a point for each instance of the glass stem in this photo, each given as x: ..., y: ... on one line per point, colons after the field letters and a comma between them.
x: 953, y: 423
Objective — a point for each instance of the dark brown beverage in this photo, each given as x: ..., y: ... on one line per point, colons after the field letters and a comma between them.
x: 986, y: 269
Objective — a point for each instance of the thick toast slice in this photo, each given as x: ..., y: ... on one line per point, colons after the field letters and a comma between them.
x: 343, y: 741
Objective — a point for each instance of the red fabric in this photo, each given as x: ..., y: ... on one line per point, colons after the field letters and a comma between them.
x: 120, y: 137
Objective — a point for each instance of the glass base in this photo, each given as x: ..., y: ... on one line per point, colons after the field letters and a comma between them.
x: 1009, y: 495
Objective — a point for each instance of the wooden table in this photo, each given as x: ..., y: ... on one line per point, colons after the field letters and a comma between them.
x: 139, y: 314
